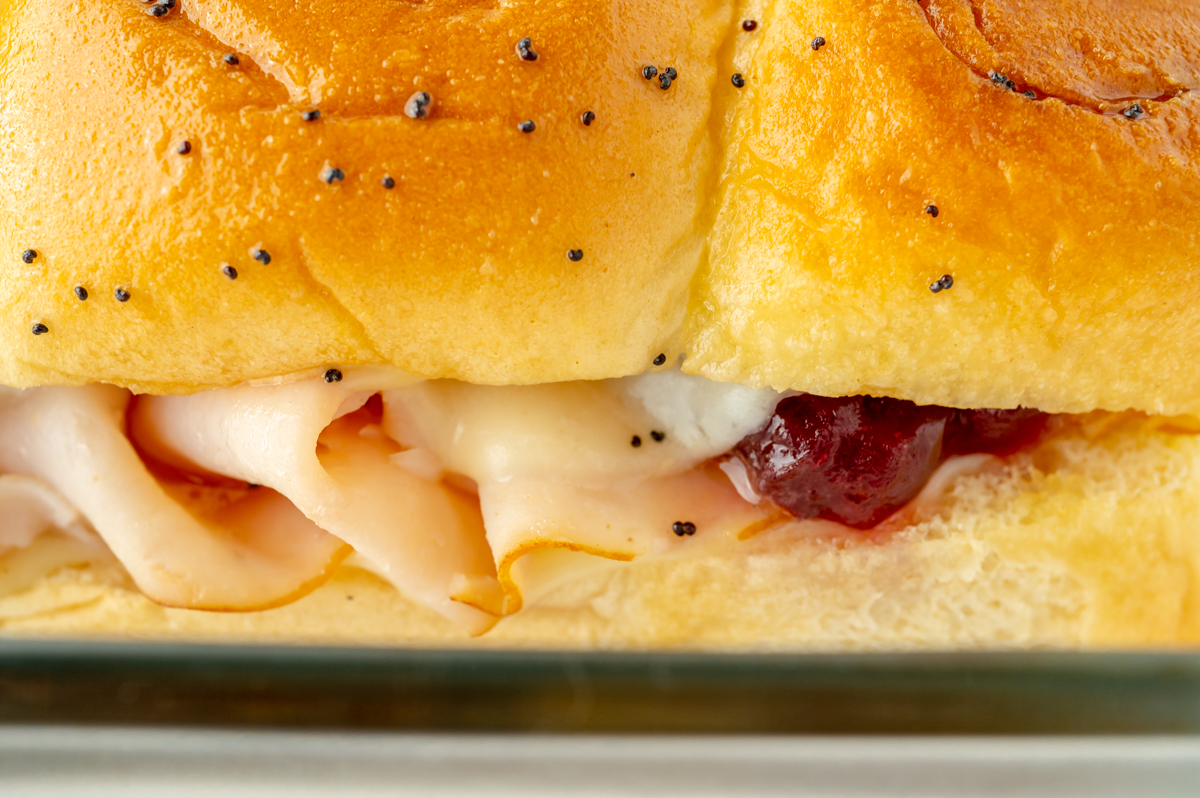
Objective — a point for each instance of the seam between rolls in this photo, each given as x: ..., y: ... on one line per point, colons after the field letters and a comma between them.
x: 716, y: 125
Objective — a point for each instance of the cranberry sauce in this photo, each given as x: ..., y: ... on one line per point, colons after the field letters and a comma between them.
x: 858, y: 459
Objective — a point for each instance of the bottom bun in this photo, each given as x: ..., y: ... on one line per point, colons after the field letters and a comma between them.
x: 1092, y: 539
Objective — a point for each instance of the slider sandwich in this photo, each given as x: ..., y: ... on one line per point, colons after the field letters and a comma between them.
x: 861, y: 324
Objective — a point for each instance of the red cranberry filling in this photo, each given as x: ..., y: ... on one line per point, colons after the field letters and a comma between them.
x: 993, y: 431
x: 858, y: 459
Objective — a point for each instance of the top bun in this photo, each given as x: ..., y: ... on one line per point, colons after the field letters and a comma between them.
x: 774, y: 233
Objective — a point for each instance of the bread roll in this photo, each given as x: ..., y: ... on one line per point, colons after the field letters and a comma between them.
x: 983, y: 204
x: 773, y: 234
x: 1068, y: 228
x: 461, y: 270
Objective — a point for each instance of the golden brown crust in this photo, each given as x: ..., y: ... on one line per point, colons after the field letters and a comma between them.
x: 1070, y: 234
x: 460, y: 270
x: 1069, y: 230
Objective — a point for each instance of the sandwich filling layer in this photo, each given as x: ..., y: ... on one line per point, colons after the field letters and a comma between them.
x: 472, y: 500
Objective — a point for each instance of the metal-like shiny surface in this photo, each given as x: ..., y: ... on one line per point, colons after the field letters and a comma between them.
x: 40, y: 762
x: 530, y: 691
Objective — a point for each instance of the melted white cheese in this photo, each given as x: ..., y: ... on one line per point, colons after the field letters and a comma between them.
x: 557, y: 468
x: 702, y: 415
x: 578, y: 432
